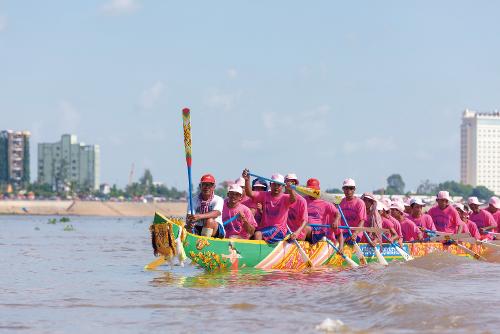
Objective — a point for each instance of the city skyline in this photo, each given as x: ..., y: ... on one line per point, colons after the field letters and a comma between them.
x: 328, y: 91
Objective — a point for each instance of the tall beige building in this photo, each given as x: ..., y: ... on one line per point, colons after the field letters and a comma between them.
x: 480, y: 149
x: 67, y: 161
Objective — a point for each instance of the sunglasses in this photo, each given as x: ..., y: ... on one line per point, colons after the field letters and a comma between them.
x: 349, y: 188
x: 207, y: 184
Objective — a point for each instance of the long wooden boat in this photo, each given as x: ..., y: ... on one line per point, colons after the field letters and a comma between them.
x: 170, y: 239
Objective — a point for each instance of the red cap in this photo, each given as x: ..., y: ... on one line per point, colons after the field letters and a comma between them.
x: 207, y: 178
x: 313, y: 183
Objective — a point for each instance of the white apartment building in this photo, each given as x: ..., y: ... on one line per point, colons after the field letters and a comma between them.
x: 67, y: 161
x: 480, y: 149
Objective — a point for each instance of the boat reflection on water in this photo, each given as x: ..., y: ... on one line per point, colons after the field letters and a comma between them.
x: 193, y: 277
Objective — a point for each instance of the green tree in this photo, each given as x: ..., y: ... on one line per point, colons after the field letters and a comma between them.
x: 334, y: 191
x: 395, y: 185
x: 426, y: 187
x: 482, y: 193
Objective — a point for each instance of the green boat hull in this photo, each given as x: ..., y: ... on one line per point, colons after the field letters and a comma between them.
x: 220, y: 254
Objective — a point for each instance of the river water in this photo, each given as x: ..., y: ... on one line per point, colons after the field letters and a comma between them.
x: 90, y: 279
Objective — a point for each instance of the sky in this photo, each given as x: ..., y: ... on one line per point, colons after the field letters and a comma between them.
x: 331, y: 89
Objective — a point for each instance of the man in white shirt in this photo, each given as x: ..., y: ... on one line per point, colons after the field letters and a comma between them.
x: 207, y: 217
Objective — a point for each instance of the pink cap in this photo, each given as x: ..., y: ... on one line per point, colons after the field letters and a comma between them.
x: 240, y: 181
x: 407, y: 202
x: 387, y: 203
x: 349, y: 183
x: 278, y: 178
x: 235, y: 189
x: 473, y: 200
x: 398, y: 206
x: 495, y: 202
x: 381, y: 206
x: 443, y: 194
x: 369, y: 196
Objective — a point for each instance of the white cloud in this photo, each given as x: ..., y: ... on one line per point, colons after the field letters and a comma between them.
x: 70, y: 117
x: 151, y: 95
x: 221, y: 100
x: 3, y: 23
x: 232, y: 73
x: 120, y: 7
x: 251, y: 145
x: 270, y: 120
x: 310, y: 125
x: 372, y: 144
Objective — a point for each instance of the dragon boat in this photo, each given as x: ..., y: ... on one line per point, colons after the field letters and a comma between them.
x: 170, y: 239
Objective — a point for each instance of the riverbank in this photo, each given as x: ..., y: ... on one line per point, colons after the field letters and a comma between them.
x: 92, y: 208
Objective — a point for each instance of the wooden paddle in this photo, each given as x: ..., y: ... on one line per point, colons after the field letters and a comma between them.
x: 186, y: 124
x: 157, y: 262
x: 345, y: 257
x: 357, y: 249
x: 379, y: 255
x: 456, y: 243
x: 302, y: 253
x: 407, y: 257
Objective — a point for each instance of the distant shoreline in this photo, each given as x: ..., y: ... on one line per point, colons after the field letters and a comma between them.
x: 90, y: 208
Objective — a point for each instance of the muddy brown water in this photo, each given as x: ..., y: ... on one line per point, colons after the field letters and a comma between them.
x: 90, y: 279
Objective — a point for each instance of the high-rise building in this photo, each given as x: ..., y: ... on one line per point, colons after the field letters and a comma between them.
x: 14, y: 157
x: 480, y: 149
x: 69, y: 162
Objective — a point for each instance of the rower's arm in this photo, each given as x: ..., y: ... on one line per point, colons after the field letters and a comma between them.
x: 248, y: 188
x: 341, y: 241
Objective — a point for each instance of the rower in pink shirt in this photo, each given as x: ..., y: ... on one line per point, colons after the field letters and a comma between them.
x: 321, y: 212
x: 483, y: 219
x: 373, y: 218
x: 275, y: 205
x: 244, y: 226
x: 408, y: 228
x: 494, y: 209
x: 421, y: 219
x: 297, y: 213
x: 445, y: 217
x: 387, y: 223
x: 353, y: 208
x: 256, y: 208
x: 464, y: 216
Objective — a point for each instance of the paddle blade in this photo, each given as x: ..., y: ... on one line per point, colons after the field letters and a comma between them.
x: 186, y: 123
x: 158, y: 262
x: 380, y: 257
x: 351, y: 262
x: 359, y: 253
x: 308, y: 191
x: 407, y: 257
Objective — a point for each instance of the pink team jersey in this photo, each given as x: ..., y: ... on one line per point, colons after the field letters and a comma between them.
x: 496, y: 215
x: 483, y: 219
x: 445, y: 220
x: 235, y: 228
x: 409, y: 230
x: 397, y: 226
x: 275, y: 209
x: 322, y: 212
x: 424, y: 221
x: 465, y: 228
x: 249, y: 203
x: 354, y: 211
x: 297, y: 214
x: 473, y: 230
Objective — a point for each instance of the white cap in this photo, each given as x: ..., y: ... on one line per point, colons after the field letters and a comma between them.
x: 398, y: 206
x: 459, y: 206
x: 407, y: 202
x: 417, y: 201
x: 278, y: 178
x: 381, y: 206
x: 495, y: 201
x: 473, y: 200
x: 387, y: 203
x: 369, y: 196
x: 443, y: 194
x: 240, y: 181
x: 235, y: 189
x: 292, y: 176
x: 349, y: 183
